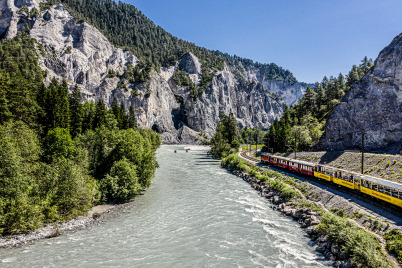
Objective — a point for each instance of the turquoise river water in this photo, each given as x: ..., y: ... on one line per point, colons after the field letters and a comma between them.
x: 195, y: 214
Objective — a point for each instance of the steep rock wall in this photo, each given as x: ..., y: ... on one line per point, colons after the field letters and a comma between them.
x: 373, y: 105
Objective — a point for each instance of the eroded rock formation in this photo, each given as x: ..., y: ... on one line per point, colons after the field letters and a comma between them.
x: 79, y: 53
x: 373, y: 105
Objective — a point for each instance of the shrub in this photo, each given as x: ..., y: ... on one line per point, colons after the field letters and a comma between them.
x: 121, y: 184
x: 68, y: 50
x: 362, y: 247
x: 394, y: 243
x: 288, y: 193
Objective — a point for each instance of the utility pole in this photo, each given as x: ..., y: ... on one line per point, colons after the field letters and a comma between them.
x: 256, y: 141
x: 249, y: 139
x: 295, y: 145
x: 362, y: 133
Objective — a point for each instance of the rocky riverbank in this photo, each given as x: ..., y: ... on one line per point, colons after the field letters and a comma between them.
x: 306, y: 217
x: 94, y: 216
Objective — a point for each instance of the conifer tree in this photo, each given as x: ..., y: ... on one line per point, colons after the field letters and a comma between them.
x: 124, y: 117
x: 76, y: 115
x: 5, y: 113
x: 100, y: 114
x: 115, y: 110
x: 88, y: 111
x: 63, y: 114
x: 132, y: 121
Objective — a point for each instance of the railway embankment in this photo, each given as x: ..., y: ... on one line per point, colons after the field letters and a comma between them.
x: 379, y: 165
x: 343, y: 229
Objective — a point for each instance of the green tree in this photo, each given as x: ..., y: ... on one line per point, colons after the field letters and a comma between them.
x: 115, y: 110
x: 58, y: 143
x: 132, y: 121
x: 88, y: 112
x: 121, y: 184
x: 76, y: 113
x: 100, y: 114
x: 124, y: 117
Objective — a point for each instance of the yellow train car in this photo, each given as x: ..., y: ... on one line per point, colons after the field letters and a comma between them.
x: 385, y: 190
x: 345, y: 183
x: 388, y: 191
x: 323, y: 172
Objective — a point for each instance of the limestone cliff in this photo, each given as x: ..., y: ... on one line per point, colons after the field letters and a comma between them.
x: 79, y: 53
x: 373, y: 105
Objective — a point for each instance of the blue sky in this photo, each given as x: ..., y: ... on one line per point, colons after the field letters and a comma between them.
x: 311, y: 38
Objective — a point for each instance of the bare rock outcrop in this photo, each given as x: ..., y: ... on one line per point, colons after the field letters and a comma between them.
x: 373, y: 105
x: 79, y: 53
x: 289, y: 92
x: 249, y: 102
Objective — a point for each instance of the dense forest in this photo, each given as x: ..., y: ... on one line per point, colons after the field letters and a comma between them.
x: 302, y: 124
x: 59, y: 156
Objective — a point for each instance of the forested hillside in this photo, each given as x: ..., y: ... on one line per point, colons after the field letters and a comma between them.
x: 126, y: 27
x: 270, y: 70
x: 59, y: 156
x: 302, y: 124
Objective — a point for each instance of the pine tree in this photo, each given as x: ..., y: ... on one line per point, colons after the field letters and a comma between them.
x: 115, y: 110
x: 100, y: 114
x: 64, y: 106
x: 88, y: 111
x: 76, y: 114
x: 309, y: 100
x: 124, y: 117
x: 5, y: 113
x: 132, y: 121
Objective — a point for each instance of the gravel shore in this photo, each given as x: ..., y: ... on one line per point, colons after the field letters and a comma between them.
x: 94, y: 216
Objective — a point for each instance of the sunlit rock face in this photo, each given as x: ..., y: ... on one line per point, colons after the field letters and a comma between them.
x: 83, y: 56
x: 373, y: 105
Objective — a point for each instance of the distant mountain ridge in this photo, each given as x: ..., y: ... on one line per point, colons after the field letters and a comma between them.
x: 152, y: 70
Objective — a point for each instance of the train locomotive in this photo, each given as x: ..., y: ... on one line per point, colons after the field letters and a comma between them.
x: 385, y: 190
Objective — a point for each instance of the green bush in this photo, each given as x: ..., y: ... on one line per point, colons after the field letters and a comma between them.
x: 394, y: 243
x: 362, y: 247
x: 121, y: 184
x: 288, y: 193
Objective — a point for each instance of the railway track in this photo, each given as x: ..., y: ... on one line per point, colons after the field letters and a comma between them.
x: 394, y: 210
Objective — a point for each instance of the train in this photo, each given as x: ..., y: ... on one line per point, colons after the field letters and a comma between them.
x: 388, y: 191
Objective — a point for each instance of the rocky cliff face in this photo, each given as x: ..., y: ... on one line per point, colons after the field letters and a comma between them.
x: 373, y: 105
x: 290, y: 93
x: 79, y: 53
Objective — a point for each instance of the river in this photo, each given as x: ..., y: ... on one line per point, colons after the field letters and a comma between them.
x: 195, y: 214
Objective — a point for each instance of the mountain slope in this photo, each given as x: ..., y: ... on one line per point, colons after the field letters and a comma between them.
x: 373, y: 105
x: 179, y: 89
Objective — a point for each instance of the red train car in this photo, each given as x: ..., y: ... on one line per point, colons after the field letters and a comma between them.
x: 264, y: 158
x: 283, y: 162
x: 293, y: 166
x: 303, y: 167
x: 273, y: 160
